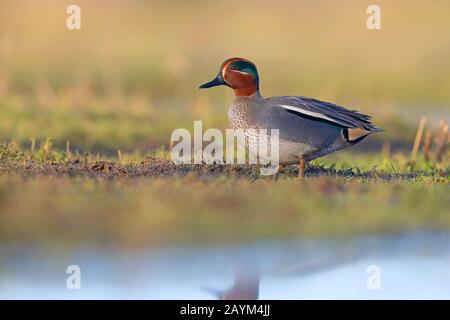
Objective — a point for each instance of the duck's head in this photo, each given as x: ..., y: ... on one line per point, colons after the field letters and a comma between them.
x: 239, y: 74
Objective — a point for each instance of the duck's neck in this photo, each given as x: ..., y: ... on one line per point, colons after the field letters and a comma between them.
x: 247, y: 93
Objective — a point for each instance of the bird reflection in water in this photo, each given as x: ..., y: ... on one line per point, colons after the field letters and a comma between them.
x: 245, y: 286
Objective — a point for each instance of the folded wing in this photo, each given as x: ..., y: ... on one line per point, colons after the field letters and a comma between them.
x: 325, y: 111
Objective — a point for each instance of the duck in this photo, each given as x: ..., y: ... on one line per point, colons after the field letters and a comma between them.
x: 308, y: 128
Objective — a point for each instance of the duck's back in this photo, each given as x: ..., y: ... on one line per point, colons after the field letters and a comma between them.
x: 260, y: 113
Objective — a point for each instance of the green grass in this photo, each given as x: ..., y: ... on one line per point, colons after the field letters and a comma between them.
x: 139, y: 211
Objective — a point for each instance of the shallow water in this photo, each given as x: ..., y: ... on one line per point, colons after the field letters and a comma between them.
x: 411, y: 266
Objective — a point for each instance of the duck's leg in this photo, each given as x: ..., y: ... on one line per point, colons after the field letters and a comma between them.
x: 301, y: 171
x: 280, y: 170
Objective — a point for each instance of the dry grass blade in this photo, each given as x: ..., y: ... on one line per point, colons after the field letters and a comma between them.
x: 442, y: 140
x: 426, y: 145
x: 418, y: 139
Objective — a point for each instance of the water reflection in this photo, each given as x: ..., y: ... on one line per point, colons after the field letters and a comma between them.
x: 412, y: 266
x: 245, y: 286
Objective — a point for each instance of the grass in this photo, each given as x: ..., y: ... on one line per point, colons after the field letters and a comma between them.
x: 76, y: 202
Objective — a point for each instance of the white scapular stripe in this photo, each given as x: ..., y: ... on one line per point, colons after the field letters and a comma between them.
x: 309, y: 113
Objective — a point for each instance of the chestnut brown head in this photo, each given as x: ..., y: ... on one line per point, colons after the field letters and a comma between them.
x: 239, y: 74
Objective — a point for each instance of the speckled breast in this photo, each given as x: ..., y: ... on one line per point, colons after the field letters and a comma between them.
x: 239, y: 119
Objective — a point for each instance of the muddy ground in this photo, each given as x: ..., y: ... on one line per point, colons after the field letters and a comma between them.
x: 156, y: 167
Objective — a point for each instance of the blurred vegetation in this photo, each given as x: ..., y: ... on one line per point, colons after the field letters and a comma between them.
x: 152, y: 212
x: 130, y: 75
x: 71, y: 208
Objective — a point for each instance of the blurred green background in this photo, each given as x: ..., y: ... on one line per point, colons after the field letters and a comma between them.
x: 130, y: 75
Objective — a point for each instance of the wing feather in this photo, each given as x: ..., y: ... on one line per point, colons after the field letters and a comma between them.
x: 325, y: 111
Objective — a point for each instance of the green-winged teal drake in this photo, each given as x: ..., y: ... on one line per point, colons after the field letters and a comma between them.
x: 308, y: 128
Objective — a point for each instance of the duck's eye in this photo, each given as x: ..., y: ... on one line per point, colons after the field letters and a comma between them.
x: 234, y: 68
